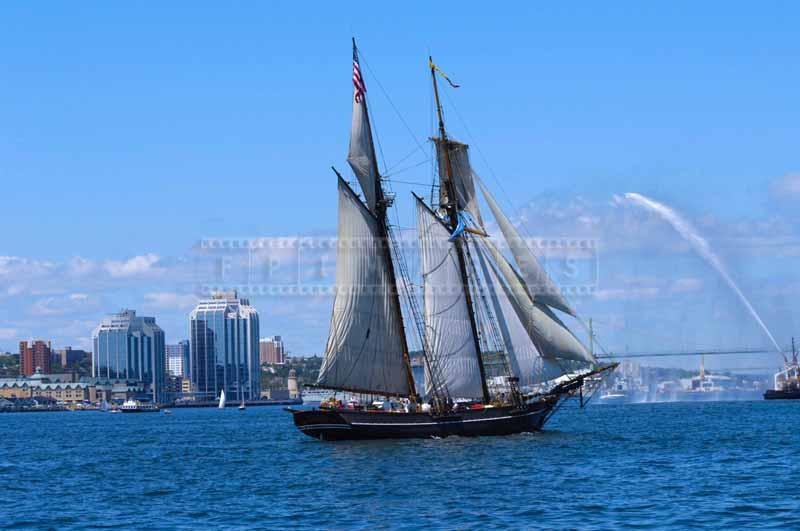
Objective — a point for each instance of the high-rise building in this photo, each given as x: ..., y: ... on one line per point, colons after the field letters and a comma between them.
x: 271, y: 350
x: 178, y: 359
x: 33, y: 356
x: 68, y: 356
x: 130, y: 347
x: 223, y: 344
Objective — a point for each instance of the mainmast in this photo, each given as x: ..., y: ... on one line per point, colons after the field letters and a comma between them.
x: 382, y: 203
x: 453, y: 214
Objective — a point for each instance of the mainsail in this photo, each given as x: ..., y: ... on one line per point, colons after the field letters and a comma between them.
x: 447, y: 319
x: 540, y: 286
x: 364, y: 351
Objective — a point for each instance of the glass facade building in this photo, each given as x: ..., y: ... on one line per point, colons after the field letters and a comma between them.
x: 128, y: 347
x: 178, y: 359
x: 223, y: 345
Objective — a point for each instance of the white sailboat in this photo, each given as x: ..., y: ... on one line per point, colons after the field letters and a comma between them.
x: 222, y: 399
x: 242, y: 407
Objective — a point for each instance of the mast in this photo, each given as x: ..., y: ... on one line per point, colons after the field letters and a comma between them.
x: 381, y: 206
x: 452, y: 212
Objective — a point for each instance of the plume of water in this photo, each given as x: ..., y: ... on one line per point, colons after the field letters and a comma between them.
x: 701, y: 247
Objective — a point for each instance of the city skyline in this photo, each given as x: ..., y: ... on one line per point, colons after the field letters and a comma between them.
x: 593, y: 117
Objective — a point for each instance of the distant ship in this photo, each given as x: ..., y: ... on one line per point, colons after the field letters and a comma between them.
x: 624, y: 386
x: 137, y: 406
x: 787, y: 381
x: 488, y: 325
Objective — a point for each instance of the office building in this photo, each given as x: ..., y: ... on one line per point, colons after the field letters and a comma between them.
x: 223, y: 344
x: 131, y: 348
x: 34, y: 356
x: 69, y: 357
x: 178, y: 359
x: 271, y: 350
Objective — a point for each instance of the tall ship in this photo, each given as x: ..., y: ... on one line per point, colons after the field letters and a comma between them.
x: 498, y: 357
x: 787, y: 380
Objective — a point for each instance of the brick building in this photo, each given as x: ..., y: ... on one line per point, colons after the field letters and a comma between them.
x: 36, y: 355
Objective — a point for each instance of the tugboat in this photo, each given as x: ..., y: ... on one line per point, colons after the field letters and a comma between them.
x: 787, y: 381
x: 498, y: 359
x: 138, y: 406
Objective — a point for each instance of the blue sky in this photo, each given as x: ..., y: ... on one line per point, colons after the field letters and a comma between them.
x: 131, y: 131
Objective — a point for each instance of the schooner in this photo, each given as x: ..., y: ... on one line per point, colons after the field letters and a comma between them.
x: 497, y: 357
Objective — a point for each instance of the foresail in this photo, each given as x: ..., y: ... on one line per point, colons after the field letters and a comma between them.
x: 463, y: 177
x: 447, y: 319
x: 539, y: 284
x: 526, y: 362
x: 364, y: 351
x: 551, y: 337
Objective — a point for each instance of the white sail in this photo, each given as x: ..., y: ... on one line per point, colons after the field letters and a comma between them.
x: 526, y: 362
x: 221, y: 399
x: 463, y: 177
x: 539, y: 284
x: 365, y: 350
x: 552, y: 338
x: 447, y: 318
x: 361, y: 154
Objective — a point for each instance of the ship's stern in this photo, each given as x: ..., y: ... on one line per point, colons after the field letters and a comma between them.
x: 322, y: 424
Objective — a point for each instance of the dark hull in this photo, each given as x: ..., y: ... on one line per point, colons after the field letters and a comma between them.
x: 772, y: 394
x: 347, y: 424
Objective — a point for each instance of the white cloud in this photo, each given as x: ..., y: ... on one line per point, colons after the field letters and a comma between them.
x: 628, y: 294
x: 8, y: 333
x: 81, y: 266
x: 138, y: 265
x: 170, y: 300
x: 686, y: 285
x: 786, y: 188
x: 63, y: 305
x: 16, y: 265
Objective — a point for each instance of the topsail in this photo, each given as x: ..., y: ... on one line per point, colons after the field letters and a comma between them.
x: 365, y: 350
x: 463, y: 177
x: 361, y: 155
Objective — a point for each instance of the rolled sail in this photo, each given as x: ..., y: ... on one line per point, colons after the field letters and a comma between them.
x: 526, y: 362
x: 463, y: 177
x: 447, y: 318
x: 551, y: 337
x: 538, y: 283
x: 364, y: 350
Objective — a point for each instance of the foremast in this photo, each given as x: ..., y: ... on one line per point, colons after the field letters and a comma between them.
x: 382, y: 204
x: 453, y: 221
x: 367, y: 351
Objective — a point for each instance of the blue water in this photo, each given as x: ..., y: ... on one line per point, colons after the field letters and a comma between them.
x: 650, y: 466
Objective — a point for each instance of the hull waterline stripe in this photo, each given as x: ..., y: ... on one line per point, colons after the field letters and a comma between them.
x: 443, y: 422
x: 325, y: 427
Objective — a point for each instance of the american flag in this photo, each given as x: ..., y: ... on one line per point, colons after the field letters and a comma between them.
x: 358, y: 82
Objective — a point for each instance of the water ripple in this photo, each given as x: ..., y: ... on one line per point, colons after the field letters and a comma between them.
x: 655, y: 466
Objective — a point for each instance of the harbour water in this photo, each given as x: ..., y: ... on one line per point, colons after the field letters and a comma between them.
x: 719, y: 465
